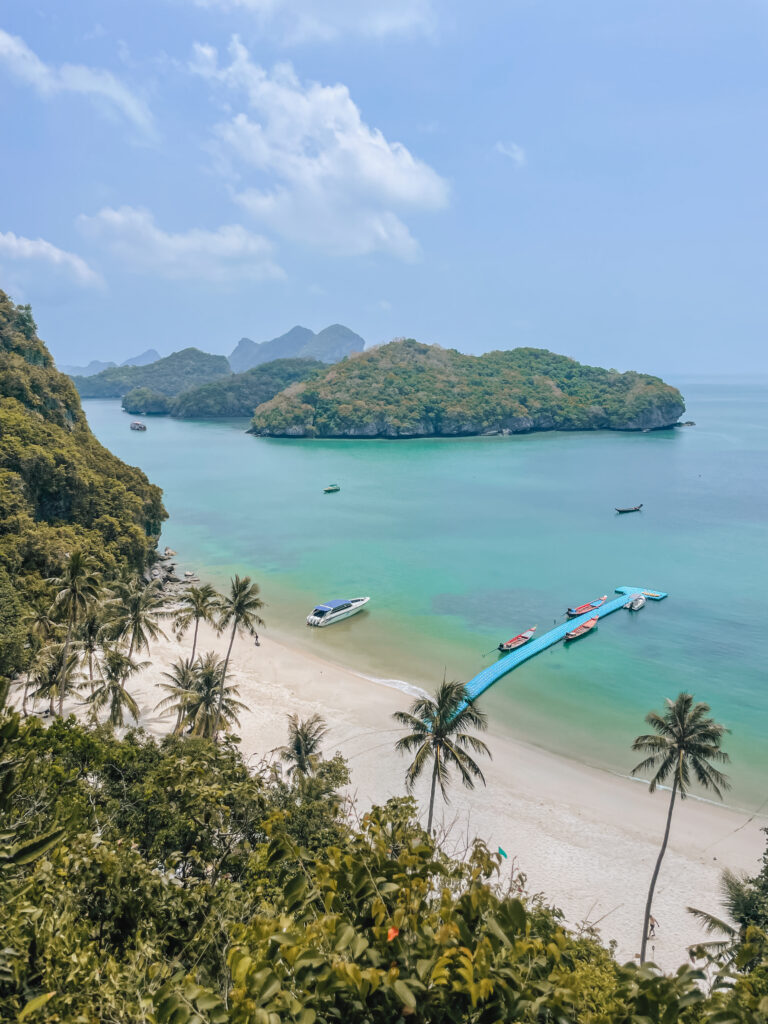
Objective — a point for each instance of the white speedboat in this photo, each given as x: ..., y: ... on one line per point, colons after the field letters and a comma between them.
x: 334, y: 611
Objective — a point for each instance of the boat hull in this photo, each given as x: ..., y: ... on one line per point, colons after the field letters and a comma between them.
x: 517, y: 641
x: 583, y: 629
x: 345, y: 613
x: 590, y: 606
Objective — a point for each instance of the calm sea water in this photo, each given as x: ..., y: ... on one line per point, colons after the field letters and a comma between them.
x: 462, y: 543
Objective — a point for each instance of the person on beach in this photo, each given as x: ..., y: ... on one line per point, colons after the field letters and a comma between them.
x: 652, y: 927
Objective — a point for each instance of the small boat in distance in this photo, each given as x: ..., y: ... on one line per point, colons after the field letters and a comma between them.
x: 582, y: 609
x: 138, y: 426
x: 331, y: 489
x: 335, y: 610
x: 637, y: 602
x: 634, y: 508
x: 585, y: 627
x: 518, y: 641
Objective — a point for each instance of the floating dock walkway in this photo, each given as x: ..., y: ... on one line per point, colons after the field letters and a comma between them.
x: 485, y: 679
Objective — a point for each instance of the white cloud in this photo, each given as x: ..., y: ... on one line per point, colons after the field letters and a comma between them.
x: 301, y: 20
x: 95, y: 83
x: 229, y: 253
x: 329, y: 179
x: 515, y: 153
x: 16, y: 248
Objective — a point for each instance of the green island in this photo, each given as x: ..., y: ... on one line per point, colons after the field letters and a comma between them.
x: 237, y: 394
x: 169, y: 376
x: 406, y: 389
x: 172, y: 880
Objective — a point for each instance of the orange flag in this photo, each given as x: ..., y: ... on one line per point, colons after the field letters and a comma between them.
x: 392, y: 934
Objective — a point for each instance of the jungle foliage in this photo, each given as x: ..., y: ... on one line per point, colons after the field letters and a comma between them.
x: 405, y: 389
x: 59, y: 488
x: 170, y: 883
x: 169, y: 376
x: 240, y: 393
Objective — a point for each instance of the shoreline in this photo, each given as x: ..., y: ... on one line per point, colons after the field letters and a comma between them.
x: 578, y: 833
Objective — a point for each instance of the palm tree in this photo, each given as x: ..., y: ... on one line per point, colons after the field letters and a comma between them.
x: 116, y: 667
x: 684, y: 741
x: 90, y: 636
x: 183, y: 679
x: 240, y: 608
x: 77, y: 587
x: 438, y: 731
x: 208, y: 703
x: 198, y: 604
x: 303, y: 748
x: 40, y: 627
x: 54, y: 675
x: 743, y: 905
x: 138, y: 607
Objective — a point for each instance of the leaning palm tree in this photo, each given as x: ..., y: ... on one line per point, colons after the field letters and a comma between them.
x: 76, y: 588
x: 90, y: 635
x: 183, y: 679
x: 209, y: 704
x: 137, y: 608
x: 438, y: 733
x: 302, y: 750
x: 240, y: 609
x: 684, y: 742
x: 199, y: 604
x: 116, y: 667
x: 55, y: 675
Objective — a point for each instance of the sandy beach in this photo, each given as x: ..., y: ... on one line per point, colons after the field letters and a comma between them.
x: 585, y: 838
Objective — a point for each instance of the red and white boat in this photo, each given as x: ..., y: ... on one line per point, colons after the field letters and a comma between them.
x: 585, y: 627
x: 519, y: 640
x: 582, y: 609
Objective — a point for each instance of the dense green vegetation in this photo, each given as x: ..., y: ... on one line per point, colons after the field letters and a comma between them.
x: 59, y: 488
x: 170, y: 883
x: 146, y: 401
x: 240, y: 393
x: 169, y: 376
x: 406, y: 389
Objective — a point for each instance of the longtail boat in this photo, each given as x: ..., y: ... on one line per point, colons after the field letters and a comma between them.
x: 582, y: 629
x: 519, y: 640
x: 582, y: 609
x: 634, y: 508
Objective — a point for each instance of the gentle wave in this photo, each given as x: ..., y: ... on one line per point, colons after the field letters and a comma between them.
x: 396, y: 684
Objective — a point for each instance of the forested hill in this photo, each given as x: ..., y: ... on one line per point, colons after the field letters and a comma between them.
x: 406, y: 389
x: 240, y: 393
x: 59, y: 488
x: 168, y: 376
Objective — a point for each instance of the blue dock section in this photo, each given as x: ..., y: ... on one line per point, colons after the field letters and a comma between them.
x: 485, y: 679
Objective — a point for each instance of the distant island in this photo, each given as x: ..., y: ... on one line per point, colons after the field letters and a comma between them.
x: 237, y: 394
x: 407, y: 389
x: 168, y: 376
x: 96, y: 365
x: 328, y: 346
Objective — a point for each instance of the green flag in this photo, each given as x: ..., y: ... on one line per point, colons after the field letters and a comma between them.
x: 503, y: 853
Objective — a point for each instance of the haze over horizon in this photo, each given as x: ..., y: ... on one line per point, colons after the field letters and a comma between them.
x: 589, y: 180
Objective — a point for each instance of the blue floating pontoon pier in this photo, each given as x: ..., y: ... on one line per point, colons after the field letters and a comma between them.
x: 485, y: 679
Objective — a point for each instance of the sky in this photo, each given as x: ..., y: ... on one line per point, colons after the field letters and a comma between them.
x: 585, y: 177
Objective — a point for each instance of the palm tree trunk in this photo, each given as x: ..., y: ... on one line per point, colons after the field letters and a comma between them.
x: 194, y: 638
x: 64, y: 666
x: 130, y: 652
x: 223, y: 678
x: 432, y: 796
x: 662, y: 851
x: 26, y: 690
x: 90, y: 669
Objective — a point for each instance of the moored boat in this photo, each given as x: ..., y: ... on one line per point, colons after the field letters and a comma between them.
x: 138, y: 426
x: 637, y: 602
x: 582, y: 609
x: 335, y: 610
x: 518, y: 641
x: 585, y: 627
x: 331, y: 489
x: 633, y: 508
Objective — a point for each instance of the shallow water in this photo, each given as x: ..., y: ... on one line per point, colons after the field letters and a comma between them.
x: 462, y: 543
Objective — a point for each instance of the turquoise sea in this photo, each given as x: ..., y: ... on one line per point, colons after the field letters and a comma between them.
x: 462, y: 543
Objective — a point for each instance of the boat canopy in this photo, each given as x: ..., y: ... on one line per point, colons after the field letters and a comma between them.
x: 331, y: 606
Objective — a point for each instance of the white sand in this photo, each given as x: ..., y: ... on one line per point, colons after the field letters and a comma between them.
x: 585, y: 838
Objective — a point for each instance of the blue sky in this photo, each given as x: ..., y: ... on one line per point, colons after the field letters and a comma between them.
x: 589, y: 177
